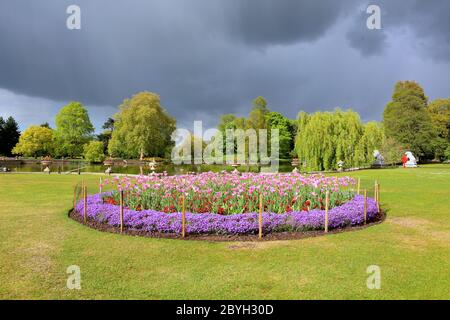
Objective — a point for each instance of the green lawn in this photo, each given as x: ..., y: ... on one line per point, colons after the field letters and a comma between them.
x: 412, y: 248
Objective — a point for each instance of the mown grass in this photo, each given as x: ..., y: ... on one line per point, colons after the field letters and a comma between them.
x: 412, y: 247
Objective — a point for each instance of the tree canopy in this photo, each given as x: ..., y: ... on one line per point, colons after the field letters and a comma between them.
x: 9, y: 135
x: 142, y: 128
x: 286, y: 132
x: 93, y: 151
x: 73, y: 129
x: 35, y: 141
x: 440, y: 116
x: 407, y: 121
x: 326, y: 138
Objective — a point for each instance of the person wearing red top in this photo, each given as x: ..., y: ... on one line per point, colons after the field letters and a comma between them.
x: 404, y: 160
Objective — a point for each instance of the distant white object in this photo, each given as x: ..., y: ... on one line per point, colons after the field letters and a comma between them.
x: 412, y: 162
x: 108, y: 171
x: 379, y: 159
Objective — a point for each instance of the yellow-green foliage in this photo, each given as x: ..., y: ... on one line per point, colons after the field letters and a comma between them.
x: 93, y: 151
x: 35, y: 141
x: 142, y: 128
x: 325, y: 138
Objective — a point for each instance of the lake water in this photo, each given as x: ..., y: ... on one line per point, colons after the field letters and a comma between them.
x: 72, y: 167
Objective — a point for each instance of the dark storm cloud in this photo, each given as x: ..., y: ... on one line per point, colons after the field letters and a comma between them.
x: 209, y: 57
x: 268, y: 22
x: 192, y: 53
x: 368, y: 42
x: 427, y: 21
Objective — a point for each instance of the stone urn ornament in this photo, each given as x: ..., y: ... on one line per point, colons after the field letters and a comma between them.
x: 235, y: 166
x: 152, y: 164
x: 108, y: 163
x: 295, y: 163
x: 46, y: 162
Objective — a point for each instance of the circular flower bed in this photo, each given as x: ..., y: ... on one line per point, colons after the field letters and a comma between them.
x: 151, y: 221
x: 292, y: 203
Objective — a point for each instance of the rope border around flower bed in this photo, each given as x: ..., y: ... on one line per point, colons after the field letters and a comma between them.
x: 236, y: 227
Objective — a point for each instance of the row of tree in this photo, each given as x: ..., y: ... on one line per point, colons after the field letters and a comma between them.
x: 326, y: 138
x: 141, y: 127
x: 409, y: 123
x: 321, y: 140
x: 260, y: 117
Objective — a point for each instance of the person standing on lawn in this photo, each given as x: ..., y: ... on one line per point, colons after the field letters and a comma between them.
x: 404, y: 160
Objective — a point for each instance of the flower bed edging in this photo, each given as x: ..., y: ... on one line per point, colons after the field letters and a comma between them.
x: 347, y: 215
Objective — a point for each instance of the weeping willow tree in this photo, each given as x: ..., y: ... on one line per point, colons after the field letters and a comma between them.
x: 372, y: 139
x: 326, y: 138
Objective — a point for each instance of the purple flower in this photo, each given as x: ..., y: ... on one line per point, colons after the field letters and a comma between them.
x: 350, y: 213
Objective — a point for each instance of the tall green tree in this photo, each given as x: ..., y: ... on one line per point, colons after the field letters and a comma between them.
x: 93, y: 151
x: 286, y: 132
x: 439, y: 111
x: 35, y: 141
x: 392, y: 151
x: 226, y: 121
x: 257, y: 117
x: 9, y: 135
x: 142, y: 128
x: 407, y: 121
x: 73, y: 129
x: 325, y: 138
x: 105, y: 136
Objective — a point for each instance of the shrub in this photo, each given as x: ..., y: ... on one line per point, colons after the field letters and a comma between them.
x: 93, y: 151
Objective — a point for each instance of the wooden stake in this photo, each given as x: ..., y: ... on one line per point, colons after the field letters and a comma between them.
x: 75, y: 189
x: 100, y: 185
x: 365, y: 206
x: 327, y: 201
x: 359, y: 185
x: 121, y: 211
x: 378, y: 198
x: 260, y: 216
x: 183, y: 216
x: 85, y: 203
x: 375, y: 190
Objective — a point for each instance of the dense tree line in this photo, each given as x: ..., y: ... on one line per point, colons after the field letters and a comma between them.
x: 416, y: 125
x: 326, y: 138
x: 143, y: 128
x: 260, y: 117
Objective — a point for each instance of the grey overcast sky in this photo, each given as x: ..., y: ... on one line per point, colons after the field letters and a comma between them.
x: 209, y: 57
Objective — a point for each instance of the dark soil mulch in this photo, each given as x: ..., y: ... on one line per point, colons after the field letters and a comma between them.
x: 276, y: 236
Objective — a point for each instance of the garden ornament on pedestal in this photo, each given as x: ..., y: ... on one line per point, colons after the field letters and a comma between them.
x: 295, y: 163
x: 152, y: 165
x: 340, y: 165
